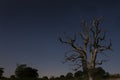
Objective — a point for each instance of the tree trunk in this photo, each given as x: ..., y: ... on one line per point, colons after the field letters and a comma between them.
x: 91, y: 74
x: 85, y: 69
x: 91, y: 78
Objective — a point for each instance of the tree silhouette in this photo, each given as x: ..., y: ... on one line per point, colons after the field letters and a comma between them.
x: 45, y: 78
x: 69, y: 76
x: 78, y: 75
x: 86, y: 46
x: 1, y: 72
x: 12, y: 77
x: 22, y: 71
x: 99, y: 73
x: 62, y: 77
x: 52, y: 78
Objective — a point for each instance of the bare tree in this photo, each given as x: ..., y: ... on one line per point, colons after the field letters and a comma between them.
x: 86, y: 46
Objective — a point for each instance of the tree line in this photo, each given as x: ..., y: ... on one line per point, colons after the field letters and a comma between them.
x: 24, y: 72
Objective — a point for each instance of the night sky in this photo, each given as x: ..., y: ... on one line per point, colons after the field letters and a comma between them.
x: 29, y: 31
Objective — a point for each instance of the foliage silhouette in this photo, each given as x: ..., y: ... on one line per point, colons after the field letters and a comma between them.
x: 44, y: 78
x: 100, y: 74
x: 1, y: 72
x: 69, y: 76
x: 22, y: 71
x: 78, y: 75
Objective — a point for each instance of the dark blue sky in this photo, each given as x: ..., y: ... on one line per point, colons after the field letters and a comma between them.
x: 29, y: 30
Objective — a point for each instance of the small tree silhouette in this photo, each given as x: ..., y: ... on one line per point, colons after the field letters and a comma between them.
x: 22, y: 71
x: 1, y: 72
